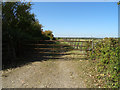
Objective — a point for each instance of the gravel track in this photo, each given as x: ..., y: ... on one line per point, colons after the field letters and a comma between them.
x: 46, y: 74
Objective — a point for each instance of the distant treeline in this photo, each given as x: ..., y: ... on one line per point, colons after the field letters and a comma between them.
x: 19, y: 25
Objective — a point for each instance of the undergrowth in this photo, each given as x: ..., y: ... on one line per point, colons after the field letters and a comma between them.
x: 106, y: 52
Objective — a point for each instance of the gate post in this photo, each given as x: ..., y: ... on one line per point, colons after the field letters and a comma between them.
x: 87, y: 49
x: 92, y: 45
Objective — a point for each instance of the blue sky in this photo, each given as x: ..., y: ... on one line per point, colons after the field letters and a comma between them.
x: 78, y: 19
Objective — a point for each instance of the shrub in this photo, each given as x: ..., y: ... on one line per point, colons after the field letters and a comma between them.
x: 48, y: 35
x: 106, y: 52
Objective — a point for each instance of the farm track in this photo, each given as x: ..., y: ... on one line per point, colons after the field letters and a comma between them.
x: 47, y: 74
x: 59, y: 73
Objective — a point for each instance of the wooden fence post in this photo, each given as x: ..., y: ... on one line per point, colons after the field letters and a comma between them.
x: 69, y: 41
x: 74, y: 44
x: 78, y: 43
x: 87, y: 49
x: 81, y: 45
x: 92, y: 45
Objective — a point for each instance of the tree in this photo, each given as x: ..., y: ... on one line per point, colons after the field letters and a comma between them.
x: 49, y: 34
x: 16, y: 18
x: 118, y: 3
x: 18, y: 24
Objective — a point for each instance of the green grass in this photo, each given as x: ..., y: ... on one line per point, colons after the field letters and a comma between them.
x: 78, y: 45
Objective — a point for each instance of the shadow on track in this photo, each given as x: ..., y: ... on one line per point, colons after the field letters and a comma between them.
x: 40, y: 51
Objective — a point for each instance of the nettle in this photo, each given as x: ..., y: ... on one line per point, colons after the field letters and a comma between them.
x: 106, y: 52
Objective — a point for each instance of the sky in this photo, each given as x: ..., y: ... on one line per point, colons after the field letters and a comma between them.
x: 78, y: 19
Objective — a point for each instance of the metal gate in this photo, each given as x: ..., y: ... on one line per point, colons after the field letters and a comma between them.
x: 60, y: 48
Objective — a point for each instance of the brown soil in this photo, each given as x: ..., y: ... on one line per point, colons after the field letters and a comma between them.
x: 60, y: 73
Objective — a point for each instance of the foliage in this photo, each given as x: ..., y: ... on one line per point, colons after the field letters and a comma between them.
x: 106, y: 52
x: 48, y: 34
x: 16, y: 18
x: 118, y: 3
x: 19, y: 25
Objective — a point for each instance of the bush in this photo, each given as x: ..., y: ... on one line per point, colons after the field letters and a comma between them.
x: 107, y: 53
x: 48, y: 35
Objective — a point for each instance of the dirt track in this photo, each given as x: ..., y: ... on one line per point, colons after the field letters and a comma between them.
x: 46, y: 74
x: 64, y: 72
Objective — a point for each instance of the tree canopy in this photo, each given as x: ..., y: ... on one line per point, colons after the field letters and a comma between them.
x: 18, y: 23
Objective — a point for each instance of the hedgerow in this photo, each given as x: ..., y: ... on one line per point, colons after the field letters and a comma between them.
x: 19, y: 25
x: 106, y: 52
